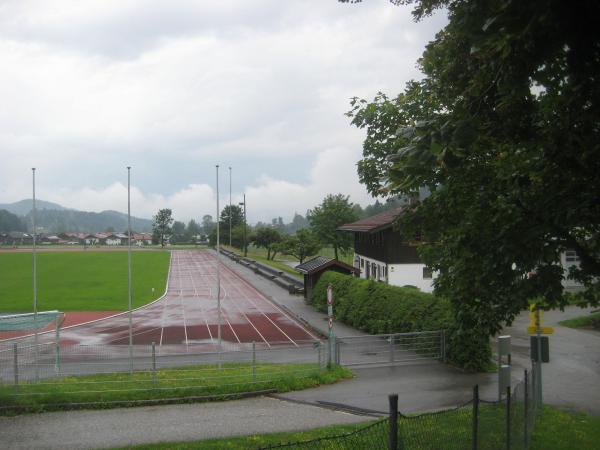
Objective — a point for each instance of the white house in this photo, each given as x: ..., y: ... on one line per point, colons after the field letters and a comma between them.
x: 383, y: 254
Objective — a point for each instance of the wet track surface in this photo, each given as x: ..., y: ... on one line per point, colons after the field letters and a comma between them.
x: 187, y: 314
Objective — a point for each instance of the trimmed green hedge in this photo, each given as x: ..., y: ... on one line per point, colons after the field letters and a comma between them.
x: 380, y: 308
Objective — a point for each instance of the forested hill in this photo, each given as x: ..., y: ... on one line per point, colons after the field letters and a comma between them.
x: 54, y: 218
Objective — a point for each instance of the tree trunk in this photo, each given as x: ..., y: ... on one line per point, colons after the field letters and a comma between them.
x: 335, y: 251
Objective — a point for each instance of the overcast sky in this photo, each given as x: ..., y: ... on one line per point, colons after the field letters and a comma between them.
x: 173, y: 88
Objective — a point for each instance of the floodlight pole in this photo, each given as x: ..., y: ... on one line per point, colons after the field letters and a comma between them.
x: 129, y: 269
x: 244, y: 246
x: 34, y: 235
x: 218, y: 271
x: 230, y: 211
x: 245, y: 243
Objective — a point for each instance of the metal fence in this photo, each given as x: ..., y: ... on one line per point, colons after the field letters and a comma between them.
x: 476, y: 425
x: 49, y: 374
x: 390, y: 348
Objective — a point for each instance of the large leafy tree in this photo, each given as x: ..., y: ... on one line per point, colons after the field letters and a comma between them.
x: 302, y: 244
x: 335, y: 210
x: 161, y: 226
x: 178, y: 232
x: 192, y: 231
x: 267, y: 238
x: 10, y: 222
x: 504, y: 130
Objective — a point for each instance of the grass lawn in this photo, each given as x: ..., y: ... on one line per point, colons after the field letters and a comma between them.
x: 260, y: 255
x: 583, y: 321
x: 81, y: 281
x: 192, y: 381
x: 556, y: 430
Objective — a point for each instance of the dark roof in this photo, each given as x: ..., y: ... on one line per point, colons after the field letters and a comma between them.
x: 320, y: 263
x: 377, y: 222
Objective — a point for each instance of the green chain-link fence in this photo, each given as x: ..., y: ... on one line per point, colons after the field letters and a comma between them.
x: 476, y: 425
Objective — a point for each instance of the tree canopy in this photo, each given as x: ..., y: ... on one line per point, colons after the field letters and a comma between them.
x: 267, y: 238
x: 161, y: 226
x: 334, y: 210
x: 504, y: 131
x: 10, y: 222
x: 302, y: 244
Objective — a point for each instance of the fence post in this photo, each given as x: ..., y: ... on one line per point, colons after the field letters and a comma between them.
x: 254, y: 361
x: 319, y: 355
x: 57, y: 352
x: 154, y: 362
x: 475, y: 418
x: 508, y: 418
x: 16, y: 366
x: 391, y: 348
x: 393, y: 421
x: 526, y: 415
x: 443, y: 345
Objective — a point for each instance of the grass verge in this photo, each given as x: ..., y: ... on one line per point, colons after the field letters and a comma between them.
x: 555, y: 429
x: 81, y: 281
x: 589, y: 321
x: 177, y: 385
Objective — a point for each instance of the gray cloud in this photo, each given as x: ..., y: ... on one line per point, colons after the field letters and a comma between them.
x: 173, y: 88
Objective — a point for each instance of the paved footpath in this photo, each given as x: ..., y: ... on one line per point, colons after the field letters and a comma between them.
x: 154, y: 424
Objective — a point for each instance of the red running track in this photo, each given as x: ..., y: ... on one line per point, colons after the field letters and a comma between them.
x: 188, y: 315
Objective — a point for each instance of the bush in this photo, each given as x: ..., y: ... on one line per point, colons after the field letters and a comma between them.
x: 380, y: 308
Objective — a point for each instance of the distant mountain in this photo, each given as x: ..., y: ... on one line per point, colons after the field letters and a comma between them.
x: 22, y: 207
x: 54, y: 218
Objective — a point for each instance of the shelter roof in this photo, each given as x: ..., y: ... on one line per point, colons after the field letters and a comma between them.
x: 320, y: 263
x: 374, y: 223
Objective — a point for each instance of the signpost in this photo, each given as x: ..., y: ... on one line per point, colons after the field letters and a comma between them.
x: 331, y: 337
x: 535, y: 327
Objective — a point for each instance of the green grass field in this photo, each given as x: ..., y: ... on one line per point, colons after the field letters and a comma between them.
x: 260, y: 255
x: 111, y: 390
x: 582, y: 322
x: 81, y: 281
x: 556, y: 430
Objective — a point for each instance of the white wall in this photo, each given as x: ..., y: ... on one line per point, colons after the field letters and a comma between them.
x: 397, y: 274
x: 409, y: 274
x: 569, y: 285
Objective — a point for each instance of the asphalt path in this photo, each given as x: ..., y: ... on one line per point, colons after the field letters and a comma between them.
x: 172, y: 423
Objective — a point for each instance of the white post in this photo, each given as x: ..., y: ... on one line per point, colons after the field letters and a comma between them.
x: 218, y: 271
x: 34, y: 235
x: 129, y: 269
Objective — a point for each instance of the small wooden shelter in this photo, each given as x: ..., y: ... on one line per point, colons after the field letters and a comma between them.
x: 314, y: 268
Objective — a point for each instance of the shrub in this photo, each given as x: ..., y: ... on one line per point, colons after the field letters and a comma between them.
x: 380, y: 308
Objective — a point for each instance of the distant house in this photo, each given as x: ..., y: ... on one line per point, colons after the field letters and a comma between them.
x: 141, y: 239
x: 383, y: 253
x: 116, y: 239
x: 19, y: 238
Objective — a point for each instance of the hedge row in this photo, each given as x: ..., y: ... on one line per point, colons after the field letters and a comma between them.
x: 380, y: 308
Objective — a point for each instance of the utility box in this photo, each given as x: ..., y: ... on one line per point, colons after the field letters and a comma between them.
x: 503, y: 345
x: 533, y: 346
x: 504, y: 378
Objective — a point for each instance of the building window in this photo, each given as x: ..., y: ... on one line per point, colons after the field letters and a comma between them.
x: 571, y: 256
x: 427, y: 274
x: 362, y: 262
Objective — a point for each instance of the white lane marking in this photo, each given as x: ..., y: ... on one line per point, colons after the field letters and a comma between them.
x: 249, y: 300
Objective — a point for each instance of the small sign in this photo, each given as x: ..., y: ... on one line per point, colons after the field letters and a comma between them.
x: 543, y: 330
x: 330, y: 323
x: 329, y: 295
x: 544, y: 344
x: 329, y: 310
